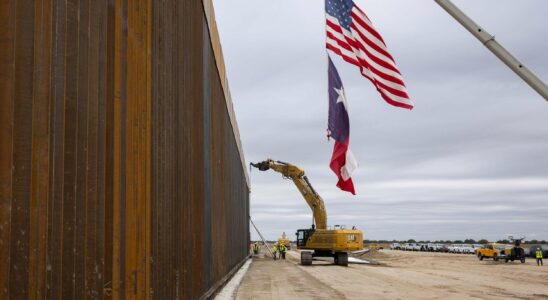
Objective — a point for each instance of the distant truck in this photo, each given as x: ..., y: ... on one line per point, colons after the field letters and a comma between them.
x: 431, y: 247
x: 494, y: 251
x: 395, y: 246
x: 375, y: 247
x: 466, y: 249
x: 453, y: 248
x: 411, y: 247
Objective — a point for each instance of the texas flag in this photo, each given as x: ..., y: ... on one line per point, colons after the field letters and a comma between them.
x: 343, y: 162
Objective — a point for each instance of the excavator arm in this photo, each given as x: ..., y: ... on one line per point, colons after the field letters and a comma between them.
x: 296, y: 174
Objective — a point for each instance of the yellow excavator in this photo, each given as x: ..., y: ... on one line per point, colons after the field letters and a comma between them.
x: 322, y: 241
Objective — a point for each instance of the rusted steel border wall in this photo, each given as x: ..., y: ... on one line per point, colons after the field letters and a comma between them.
x: 196, y: 155
x: 121, y: 169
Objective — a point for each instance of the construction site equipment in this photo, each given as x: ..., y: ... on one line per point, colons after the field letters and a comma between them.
x: 322, y: 241
x: 283, y: 240
x: 489, y: 41
x: 375, y: 247
x: 515, y: 252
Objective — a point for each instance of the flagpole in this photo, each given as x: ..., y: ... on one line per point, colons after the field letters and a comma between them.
x: 326, y: 63
x: 489, y: 41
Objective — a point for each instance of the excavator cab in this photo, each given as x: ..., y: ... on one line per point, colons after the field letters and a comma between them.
x: 302, y: 236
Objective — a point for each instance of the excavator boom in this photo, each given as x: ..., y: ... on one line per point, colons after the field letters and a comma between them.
x: 300, y: 180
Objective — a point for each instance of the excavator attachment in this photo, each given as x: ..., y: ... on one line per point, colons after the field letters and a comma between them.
x: 262, y: 166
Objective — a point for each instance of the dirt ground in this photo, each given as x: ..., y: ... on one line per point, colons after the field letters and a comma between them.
x: 401, y: 275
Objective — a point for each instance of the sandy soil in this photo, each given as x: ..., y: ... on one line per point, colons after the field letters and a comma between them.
x: 401, y: 275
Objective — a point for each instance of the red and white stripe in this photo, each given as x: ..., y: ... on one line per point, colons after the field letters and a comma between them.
x: 364, y: 47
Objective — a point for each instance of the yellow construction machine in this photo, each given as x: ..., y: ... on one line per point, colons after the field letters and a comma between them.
x: 322, y: 241
x: 285, y: 241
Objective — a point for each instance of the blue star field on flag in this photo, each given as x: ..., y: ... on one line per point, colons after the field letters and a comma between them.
x: 341, y: 10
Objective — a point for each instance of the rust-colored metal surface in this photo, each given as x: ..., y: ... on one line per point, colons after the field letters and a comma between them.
x: 196, y: 155
x: 121, y: 168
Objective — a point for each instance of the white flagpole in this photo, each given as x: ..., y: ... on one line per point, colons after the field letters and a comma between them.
x: 326, y: 64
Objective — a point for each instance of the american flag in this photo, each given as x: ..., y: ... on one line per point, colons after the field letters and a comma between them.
x: 351, y: 35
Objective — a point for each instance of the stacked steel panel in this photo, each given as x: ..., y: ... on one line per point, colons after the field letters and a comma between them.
x: 121, y: 168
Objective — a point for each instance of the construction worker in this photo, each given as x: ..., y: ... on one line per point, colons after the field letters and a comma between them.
x: 539, y: 256
x: 282, y: 251
x: 274, y: 250
x: 255, y: 248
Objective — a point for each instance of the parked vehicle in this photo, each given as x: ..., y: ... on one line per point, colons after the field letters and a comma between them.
x: 412, y: 247
x: 454, y: 248
x: 395, y: 246
x: 444, y: 248
x: 375, y: 247
x: 515, y: 252
x: 494, y: 251
x: 533, y: 250
x: 466, y: 249
x: 431, y: 247
x: 477, y: 246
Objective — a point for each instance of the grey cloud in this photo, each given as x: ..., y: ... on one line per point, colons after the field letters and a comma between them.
x: 470, y: 159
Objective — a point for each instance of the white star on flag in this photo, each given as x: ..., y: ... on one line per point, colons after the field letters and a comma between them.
x: 342, y: 97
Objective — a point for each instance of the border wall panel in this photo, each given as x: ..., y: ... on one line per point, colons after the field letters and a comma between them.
x: 7, y: 32
x: 41, y: 148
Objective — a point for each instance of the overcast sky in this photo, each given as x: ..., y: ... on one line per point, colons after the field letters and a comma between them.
x: 470, y: 160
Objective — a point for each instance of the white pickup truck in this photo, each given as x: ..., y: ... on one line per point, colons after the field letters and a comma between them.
x: 415, y: 247
x: 466, y: 249
x: 454, y: 248
x: 433, y: 247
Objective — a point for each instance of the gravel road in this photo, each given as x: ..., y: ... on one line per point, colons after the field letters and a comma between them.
x: 401, y: 275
